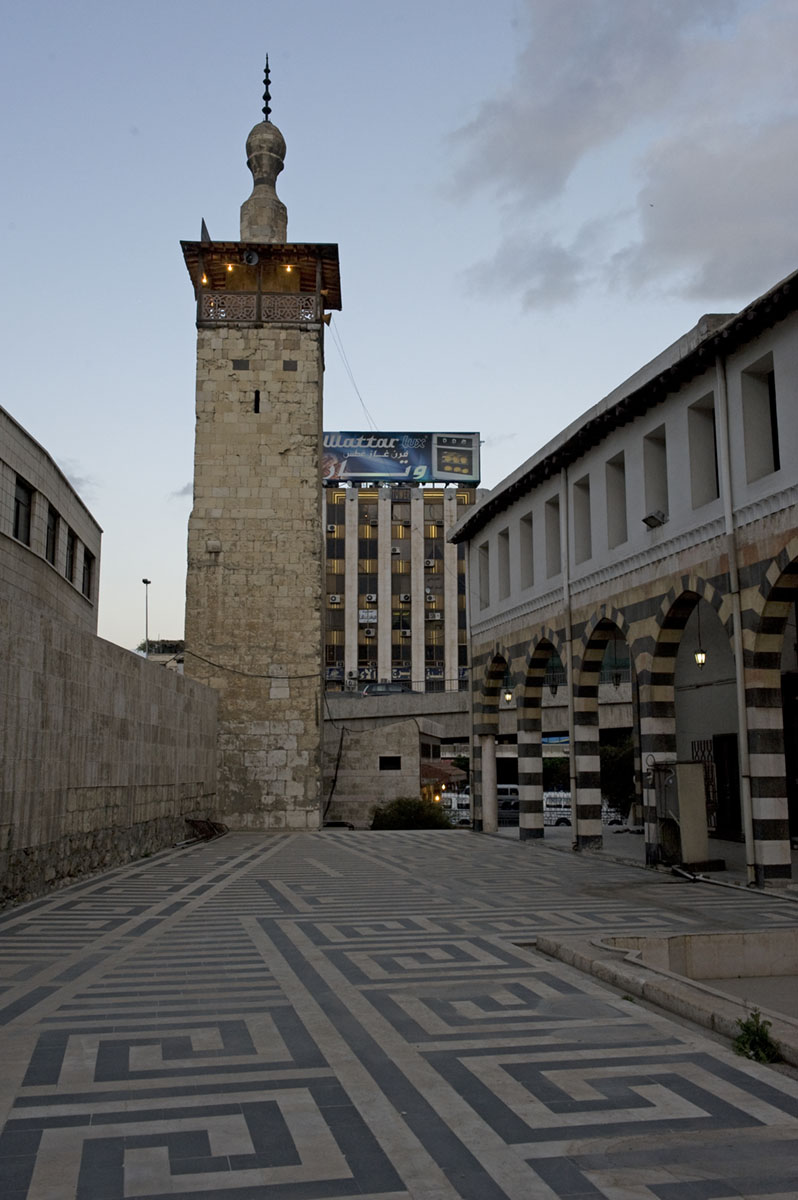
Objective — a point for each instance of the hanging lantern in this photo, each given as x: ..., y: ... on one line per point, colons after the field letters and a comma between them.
x: 699, y: 654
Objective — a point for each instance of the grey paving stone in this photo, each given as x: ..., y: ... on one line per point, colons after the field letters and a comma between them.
x: 305, y: 1017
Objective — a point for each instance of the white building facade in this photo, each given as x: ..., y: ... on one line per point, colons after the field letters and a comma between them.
x: 664, y: 520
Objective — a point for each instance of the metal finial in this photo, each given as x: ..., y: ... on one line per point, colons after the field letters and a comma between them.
x: 266, y: 93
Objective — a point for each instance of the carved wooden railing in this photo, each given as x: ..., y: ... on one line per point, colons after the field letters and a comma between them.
x: 255, y: 308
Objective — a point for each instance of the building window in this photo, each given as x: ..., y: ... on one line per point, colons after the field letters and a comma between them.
x: 702, y: 439
x: 51, y: 544
x: 655, y: 469
x: 526, y: 556
x: 760, y: 420
x: 23, y: 502
x: 88, y: 572
x: 552, y: 520
x: 583, y: 536
x: 390, y: 762
x: 483, y: 557
x: 71, y: 546
x: 504, y: 563
x: 617, y: 532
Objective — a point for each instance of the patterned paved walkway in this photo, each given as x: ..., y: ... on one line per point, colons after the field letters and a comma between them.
x: 356, y: 1014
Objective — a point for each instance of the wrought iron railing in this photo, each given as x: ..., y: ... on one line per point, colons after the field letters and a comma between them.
x: 253, y: 307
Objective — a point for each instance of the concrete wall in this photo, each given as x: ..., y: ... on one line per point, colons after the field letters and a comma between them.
x: 361, y: 785
x: 105, y: 754
x: 449, y: 710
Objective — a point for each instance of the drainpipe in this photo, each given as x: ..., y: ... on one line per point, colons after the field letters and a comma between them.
x: 472, y: 741
x: 569, y: 673
x: 737, y: 628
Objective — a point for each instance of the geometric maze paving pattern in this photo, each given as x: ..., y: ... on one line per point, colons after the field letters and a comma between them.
x: 341, y: 1014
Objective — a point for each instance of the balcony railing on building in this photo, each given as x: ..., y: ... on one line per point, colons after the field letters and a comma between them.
x: 257, y: 308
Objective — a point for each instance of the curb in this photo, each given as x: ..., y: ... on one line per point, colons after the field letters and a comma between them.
x: 696, y: 1002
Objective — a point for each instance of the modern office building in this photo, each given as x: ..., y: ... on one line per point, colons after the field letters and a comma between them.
x: 395, y: 596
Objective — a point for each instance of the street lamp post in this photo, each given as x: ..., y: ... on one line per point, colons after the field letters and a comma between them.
x: 146, y: 583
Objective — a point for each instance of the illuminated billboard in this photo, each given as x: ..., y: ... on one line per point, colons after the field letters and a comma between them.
x: 400, y: 458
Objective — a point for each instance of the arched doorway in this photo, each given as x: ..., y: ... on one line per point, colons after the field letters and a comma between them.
x: 543, y: 668
x: 602, y: 669
x: 707, y: 728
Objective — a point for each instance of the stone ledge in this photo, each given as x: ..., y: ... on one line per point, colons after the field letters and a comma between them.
x: 695, y: 1001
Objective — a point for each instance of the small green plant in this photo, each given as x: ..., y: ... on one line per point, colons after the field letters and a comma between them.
x: 754, y: 1040
x: 411, y: 812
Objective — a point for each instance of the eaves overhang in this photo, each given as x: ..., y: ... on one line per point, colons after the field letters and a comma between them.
x: 713, y: 336
x: 315, y: 262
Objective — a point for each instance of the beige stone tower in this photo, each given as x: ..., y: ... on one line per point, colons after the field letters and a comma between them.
x: 254, y: 586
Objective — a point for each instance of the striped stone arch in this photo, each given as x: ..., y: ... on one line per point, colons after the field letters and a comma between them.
x: 486, y: 702
x: 537, y: 660
x: 588, y: 658
x: 662, y: 642
x: 766, y: 612
x: 529, y: 732
x: 671, y: 611
x: 589, y: 652
x: 659, y: 644
x: 764, y: 619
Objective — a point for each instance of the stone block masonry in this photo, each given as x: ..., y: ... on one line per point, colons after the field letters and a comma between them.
x: 105, y: 754
x: 254, y: 587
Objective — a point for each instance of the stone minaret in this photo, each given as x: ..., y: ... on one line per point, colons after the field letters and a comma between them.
x: 254, y: 585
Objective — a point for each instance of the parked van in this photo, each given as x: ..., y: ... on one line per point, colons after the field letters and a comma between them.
x: 556, y: 808
x: 459, y: 806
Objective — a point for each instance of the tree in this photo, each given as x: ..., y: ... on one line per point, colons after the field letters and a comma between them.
x: 556, y: 774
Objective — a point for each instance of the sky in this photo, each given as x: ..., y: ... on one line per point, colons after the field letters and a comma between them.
x: 531, y: 198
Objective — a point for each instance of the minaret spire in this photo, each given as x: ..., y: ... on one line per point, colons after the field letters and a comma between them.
x: 263, y: 215
x: 266, y: 110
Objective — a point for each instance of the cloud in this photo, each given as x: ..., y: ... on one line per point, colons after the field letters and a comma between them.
x: 499, y: 439
x: 640, y: 146
x: 85, y: 485
x: 542, y: 269
x: 717, y: 212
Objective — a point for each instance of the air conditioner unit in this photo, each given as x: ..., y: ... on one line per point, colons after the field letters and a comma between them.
x: 404, y: 597
x: 405, y: 633
x: 434, y: 616
x: 430, y: 599
x: 334, y: 598
x: 331, y: 528
x: 369, y: 633
x: 371, y: 597
x: 429, y: 562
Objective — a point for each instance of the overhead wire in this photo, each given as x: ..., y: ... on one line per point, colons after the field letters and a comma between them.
x: 339, y: 345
